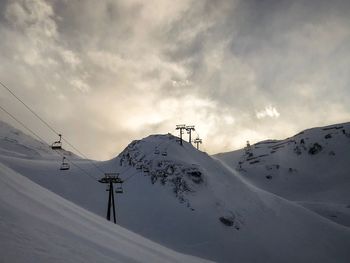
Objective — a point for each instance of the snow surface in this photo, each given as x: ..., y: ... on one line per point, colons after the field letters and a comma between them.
x: 39, y: 226
x: 202, y: 206
x: 319, y: 181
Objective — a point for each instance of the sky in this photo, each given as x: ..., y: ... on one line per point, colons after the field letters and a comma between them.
x: 104, y: 73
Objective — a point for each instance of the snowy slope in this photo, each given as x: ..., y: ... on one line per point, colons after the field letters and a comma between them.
x: 39, y: 226
x: 192, y: 203
x: 15, y: 143
x: 259, y: 219
x: 312, y: 168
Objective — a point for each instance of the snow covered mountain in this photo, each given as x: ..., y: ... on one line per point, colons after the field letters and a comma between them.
x: 311, y: 168
x: 199, y: 205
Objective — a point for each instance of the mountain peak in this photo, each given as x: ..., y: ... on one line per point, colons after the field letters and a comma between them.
x: 164, y: 160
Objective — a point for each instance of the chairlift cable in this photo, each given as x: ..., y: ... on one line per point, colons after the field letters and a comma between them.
x: 49, y: 126
x: 42, y: 140
x: 28, y: 108
x: 136, y: 172
x: 130, y: 176
x: 96, y: 166
x: 23, y: 125
x: 80, y: 168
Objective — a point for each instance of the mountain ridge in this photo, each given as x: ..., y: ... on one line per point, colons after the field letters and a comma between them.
x: 223, y: 217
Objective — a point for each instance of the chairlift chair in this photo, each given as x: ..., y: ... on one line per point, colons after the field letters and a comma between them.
x: 58, y: 144
x: 164, y: 153
x: 156, y: 151
x: 64, y: 164
x: 119, y: 188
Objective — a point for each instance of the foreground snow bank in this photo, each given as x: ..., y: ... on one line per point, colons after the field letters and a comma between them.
x: 37, y: 225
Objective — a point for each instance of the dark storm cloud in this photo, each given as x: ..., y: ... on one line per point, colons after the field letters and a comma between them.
x: 119, y: 70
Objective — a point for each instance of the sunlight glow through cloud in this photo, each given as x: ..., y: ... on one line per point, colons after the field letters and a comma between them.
x: 269, y: 111
x: 122, y: 70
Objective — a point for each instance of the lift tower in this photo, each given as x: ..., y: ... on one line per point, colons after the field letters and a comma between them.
x: 110, y: 179
x: 181, y: 128
x: 197, y: 141
x: 189, y: 130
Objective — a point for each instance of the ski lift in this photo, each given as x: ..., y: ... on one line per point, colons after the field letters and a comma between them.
x: 58, y: 144
x: 156, y: 150
x: 64, y: 164
x: 107, y: 187
x: 139, y: 166
x: 145, y: 170
x: 164, y: 153
x: 119, y: 188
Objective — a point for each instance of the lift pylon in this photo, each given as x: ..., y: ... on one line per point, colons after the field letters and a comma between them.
x: 111, y: 179
x: 189, y: 130
x: 197, y: 141
x: 181, y: 128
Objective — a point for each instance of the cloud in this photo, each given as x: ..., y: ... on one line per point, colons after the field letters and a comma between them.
x: 124, y: 69
x: 70, y: 58
x: 269, y: 111
x: 80, y: 85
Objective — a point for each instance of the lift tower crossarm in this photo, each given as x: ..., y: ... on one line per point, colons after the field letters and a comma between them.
x: 181, y: 128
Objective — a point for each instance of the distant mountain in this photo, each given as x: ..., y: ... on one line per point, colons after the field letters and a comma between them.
x: 311, y: 168
x: 199, y: 205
